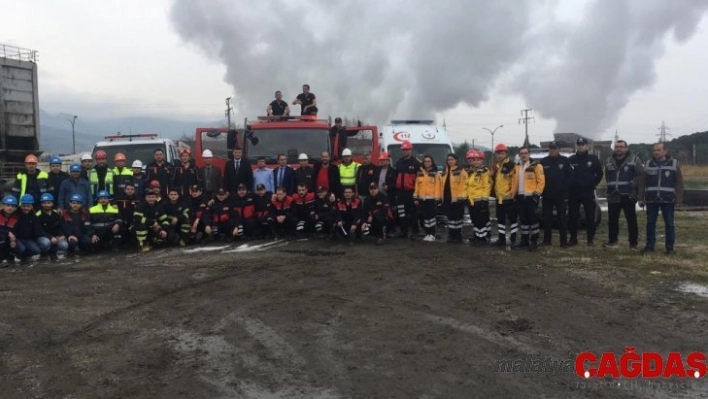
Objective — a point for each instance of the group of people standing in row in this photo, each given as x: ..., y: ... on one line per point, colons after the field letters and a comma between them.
x: 96, y: 207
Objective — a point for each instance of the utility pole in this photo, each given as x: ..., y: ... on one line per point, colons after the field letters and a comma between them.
x: 492, y: 132
x: 229, y: 109
x: 73, y: 133
x: 525, y: 121
x: 663, y: 129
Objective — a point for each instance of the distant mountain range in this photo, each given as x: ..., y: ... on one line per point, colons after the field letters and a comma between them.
x: 55, y: 130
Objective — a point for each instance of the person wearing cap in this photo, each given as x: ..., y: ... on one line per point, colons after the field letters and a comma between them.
x: 662, y: 184
x: 161, y: 170
x: 407, y: 168
x: 324, y: 212
x: 77, y: 225
x: 199, y: 216
x: 305, y: 174
x: 365, y: 175
x: 178, y: 219
x: 307, y: 101
x: 223, y: 219
x: 348, y: 170
x: 284, y: 175
x: 51, y: 221
x: 106, y: 222
x: 528, y: 186
x: 263, y: 176
x: 245, y: 209
x: 56, y: 176
x: 558, y: 173
x: 238, y: 171
x: 101, y: 176
x: 278, y: 107
x: 149, y: 219
x: 338, y: 137
x: 587, y: 174
x: 303, y: 211
x: 377, y: 213
x: 624, y: 175
x: 479, y: 188
x: 185, y: 174
x: 280, y: 219
x: 503, y: 175
x: 327, y: 175
x: 86, y: 165
x: 31, y: 180
x: 453, y: 193
x: 350, y: 215
x: 139, y: 179
x: 75, y: 184
x: 261, y: 202
x: 121, y: 175
x: 155, y: 185
x: 8, y: 222
x: 425, y: 196
x: 126, y: 207
x: 31, y: 238
x: 210, y: 174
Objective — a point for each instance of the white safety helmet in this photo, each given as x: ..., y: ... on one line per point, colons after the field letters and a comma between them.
x: 86, y: 157
x: 137, y: 164
x: 302, y: 156
x: 347, y: 152
x: 207, y: 154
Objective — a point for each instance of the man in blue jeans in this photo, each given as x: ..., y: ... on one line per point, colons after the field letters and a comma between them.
x: 663, y: 190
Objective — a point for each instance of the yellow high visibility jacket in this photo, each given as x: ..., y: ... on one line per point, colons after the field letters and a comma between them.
x: 503, y: 176
x: 427, y: 185
x: 458, y: 184
x: 347, y: 173
x: 534, y: 179
x: 479, y: 184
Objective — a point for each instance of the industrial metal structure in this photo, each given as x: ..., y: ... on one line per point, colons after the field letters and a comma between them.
x: 19, y: 106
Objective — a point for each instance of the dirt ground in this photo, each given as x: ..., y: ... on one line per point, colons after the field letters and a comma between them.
x: 314, y: 319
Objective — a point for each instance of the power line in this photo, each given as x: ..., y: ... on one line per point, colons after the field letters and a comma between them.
x: 663, y: 129
x: 525, y: 121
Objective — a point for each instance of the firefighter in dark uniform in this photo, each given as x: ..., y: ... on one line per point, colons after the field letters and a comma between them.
x: 280, y: 219
x: 303, y: 206
x: 407, y: 168
x: 148, y: 220
x: 587, y: 174
x: 663, y: 191
x: 185, y: 174
x: 199, y: 217
x: 558, y: 173
x: 121, y: 175
x: 223, y: 219
x: 305, y: 174
x: 325, y: 211
x: 177, y: 213
x: 376, y: 214
x: 623, y: 174
x: 126, y: 207
x: 245, y: 208
x: 159, y: 170
x: 261, y: 202
x: 106, y: 222
x: 349, y: 216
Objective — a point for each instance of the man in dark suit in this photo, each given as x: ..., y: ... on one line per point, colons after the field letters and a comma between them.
x: 210, y: 174
x: 327, y: 175
x: 238, y: 171
x: 284, y: 175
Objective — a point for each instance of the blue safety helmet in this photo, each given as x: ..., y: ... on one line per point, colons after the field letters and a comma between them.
x: 46, y: 197
x: 75, y: 167
x: 27, y: 199
x: 76, y: 198
x: 9, y: 200
x: 103, y: 194
x: 55, y: 161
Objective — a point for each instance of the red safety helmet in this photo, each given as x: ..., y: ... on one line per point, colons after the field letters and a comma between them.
x: 384, y: 156
x: 406, y: 145
x: 185, y: 151
x: 474, y: 154
x: 154, y: 185
x: 501, y: 147
x: 100, y: 154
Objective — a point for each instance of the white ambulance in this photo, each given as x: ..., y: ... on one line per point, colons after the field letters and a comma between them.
x: 426, y: 137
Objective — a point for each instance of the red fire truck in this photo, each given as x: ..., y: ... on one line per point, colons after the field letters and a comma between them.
x: 269, y: 136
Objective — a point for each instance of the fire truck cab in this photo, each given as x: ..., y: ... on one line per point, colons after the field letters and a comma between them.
x: 269, y: 136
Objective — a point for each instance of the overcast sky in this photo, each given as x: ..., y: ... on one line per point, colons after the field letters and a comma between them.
x: 130, y: 57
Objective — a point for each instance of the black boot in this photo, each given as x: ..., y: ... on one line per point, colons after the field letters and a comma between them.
x: 573, y: 241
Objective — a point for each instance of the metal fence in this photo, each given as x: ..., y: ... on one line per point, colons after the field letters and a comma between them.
x: 17, y: 53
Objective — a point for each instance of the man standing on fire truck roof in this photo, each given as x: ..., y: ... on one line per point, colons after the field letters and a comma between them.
x: 278, y: 107
x: 307, y: 101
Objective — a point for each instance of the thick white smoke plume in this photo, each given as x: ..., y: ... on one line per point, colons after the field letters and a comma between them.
x: 410, y: 58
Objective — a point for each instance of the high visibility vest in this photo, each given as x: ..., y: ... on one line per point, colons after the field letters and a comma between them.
x: 661, y: 180
x: 347, y: 173
x: 93, y: 181
x: 619, y: 179
x: 22, y: 177
x: 100, y: 217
